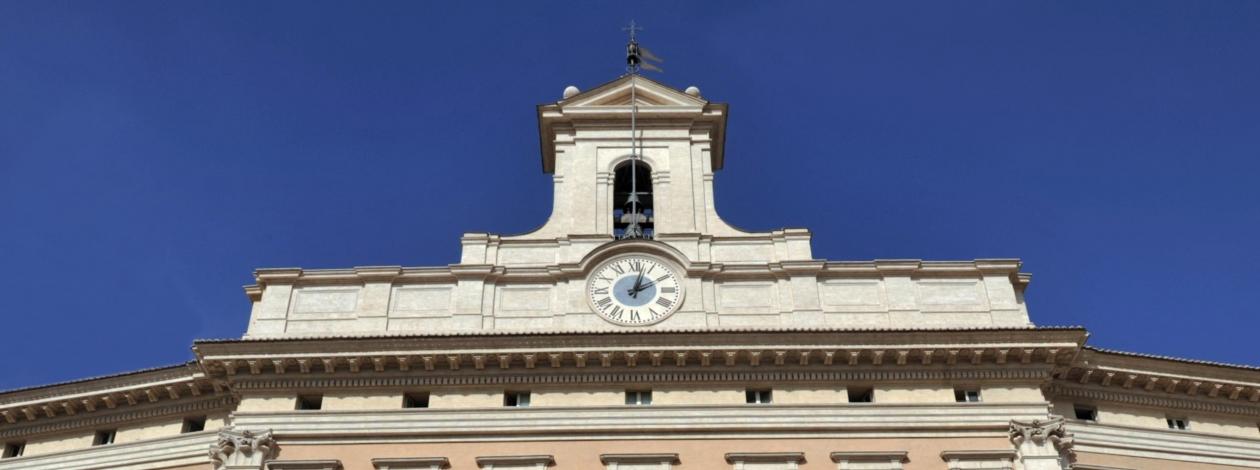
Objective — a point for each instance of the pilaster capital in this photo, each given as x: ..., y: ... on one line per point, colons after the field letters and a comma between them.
x: 242, y: 449
x: 1040, y: 439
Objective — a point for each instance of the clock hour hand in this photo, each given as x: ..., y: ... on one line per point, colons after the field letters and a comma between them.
x: 638, y: 281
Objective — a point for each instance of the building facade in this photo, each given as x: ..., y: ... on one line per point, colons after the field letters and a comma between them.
x: 696, y: 346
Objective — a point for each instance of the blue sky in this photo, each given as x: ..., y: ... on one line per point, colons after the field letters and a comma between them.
x: 152, y: 154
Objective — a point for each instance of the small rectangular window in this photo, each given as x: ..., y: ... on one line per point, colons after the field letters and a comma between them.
x: 194, y: 424
x: 861, y: 394
x: 416, y: 400
x: 1085, y: 412
x: 758, y: 396
x: 639, y: 397
x: 103, y: 437
x: 1180, y: 424
x: 13, y: 449
x: 966, y: 396
x: 516, y: 399
x: 310, y: 402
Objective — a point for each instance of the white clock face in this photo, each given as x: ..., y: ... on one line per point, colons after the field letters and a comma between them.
x: 634, y: 290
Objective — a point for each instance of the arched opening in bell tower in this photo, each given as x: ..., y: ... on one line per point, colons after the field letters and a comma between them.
x: 631, y: 206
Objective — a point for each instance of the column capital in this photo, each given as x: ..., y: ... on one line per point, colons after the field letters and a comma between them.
x: 239, y: 449
x: 1042, y: 443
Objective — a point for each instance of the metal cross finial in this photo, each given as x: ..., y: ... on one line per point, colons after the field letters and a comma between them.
x: 632, y: 29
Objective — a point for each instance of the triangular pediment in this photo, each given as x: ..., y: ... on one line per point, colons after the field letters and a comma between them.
x: 646, y: 92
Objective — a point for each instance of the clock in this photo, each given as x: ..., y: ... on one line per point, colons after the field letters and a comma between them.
x: 634, y: 290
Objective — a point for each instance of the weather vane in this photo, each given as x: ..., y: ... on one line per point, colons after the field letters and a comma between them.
x: 637, y: 56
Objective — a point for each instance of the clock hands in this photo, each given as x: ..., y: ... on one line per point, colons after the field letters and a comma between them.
x: 638, y: 283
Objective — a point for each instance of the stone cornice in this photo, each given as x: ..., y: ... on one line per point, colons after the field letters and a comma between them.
x: 702, y: 269
x: 95, y: 384
x: 1152, y: 399
x: 794, y: 338
x: 102, y: 400
x: 223, y: 402
x: 902, y: 351
x: 622, y: 376
x: 1174, y: 365
x: 1206, y: 385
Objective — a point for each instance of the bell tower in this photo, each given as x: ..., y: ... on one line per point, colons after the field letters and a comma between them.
x: 587, y: 144
x: 588, y: 147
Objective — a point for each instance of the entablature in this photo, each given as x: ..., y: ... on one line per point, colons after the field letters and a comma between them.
x: 1013, y: 354
x: 120, y: 398
x: 1103, y: 375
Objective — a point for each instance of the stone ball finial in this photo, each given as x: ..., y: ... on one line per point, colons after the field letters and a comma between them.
x: 693, y: 91
x: 571, y: 91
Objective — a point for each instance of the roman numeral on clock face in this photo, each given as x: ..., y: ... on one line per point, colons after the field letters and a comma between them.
x: 664, y: 302
x: 603, y: 303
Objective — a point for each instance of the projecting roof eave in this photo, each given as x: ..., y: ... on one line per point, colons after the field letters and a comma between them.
x: 154, y: 391
x: 289, y: 337
x: 1034, y: 351
x: 1101, y: 374
x: 1180, y: 360
x: 155, y: 371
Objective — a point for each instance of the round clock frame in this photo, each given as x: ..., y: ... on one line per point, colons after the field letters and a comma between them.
x: 606, y: 274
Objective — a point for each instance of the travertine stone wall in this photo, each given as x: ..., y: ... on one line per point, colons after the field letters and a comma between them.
x: 487, y: 398
x: 1030, y: 393
x: 914, y: 394
x: 596, y: 397
x: 59, y: 443
x: 1133, y: 416
x: 697, y: 395
x: 267, y: 402
x: 364, y: 400
x: 295, y: 306
x: 133, y: 432
x: 149, y: 430
x: 805, y: 395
